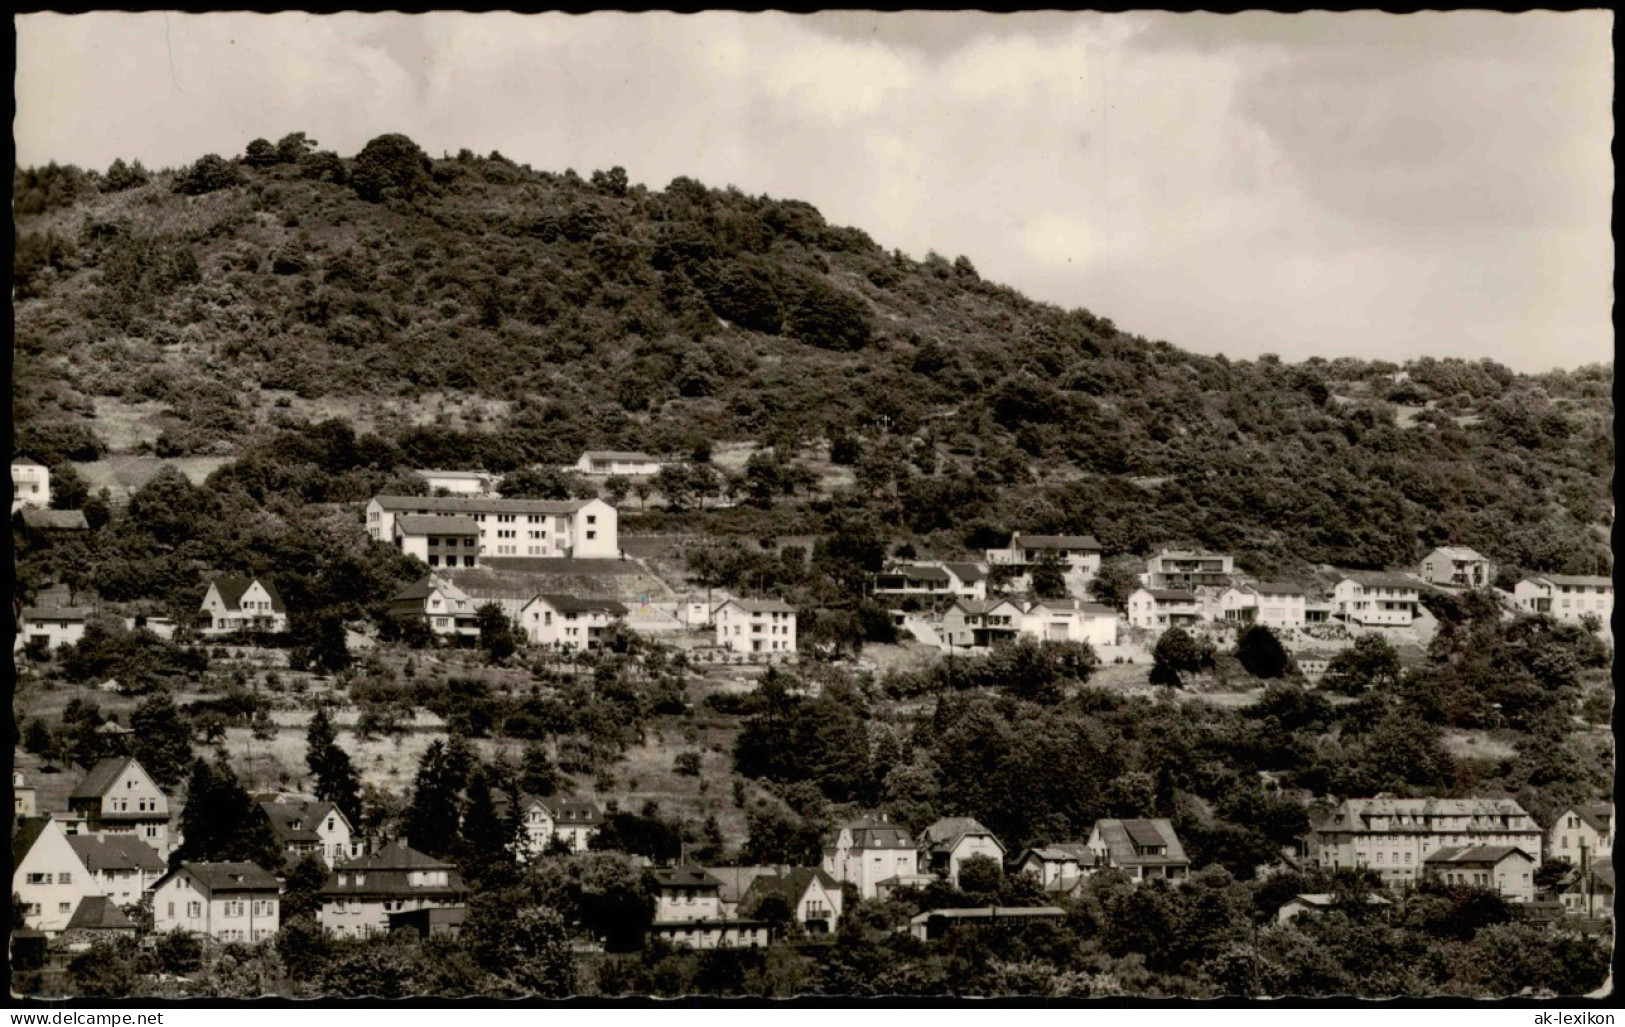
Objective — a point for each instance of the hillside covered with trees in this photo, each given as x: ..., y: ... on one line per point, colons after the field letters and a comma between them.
x: 588, y: 311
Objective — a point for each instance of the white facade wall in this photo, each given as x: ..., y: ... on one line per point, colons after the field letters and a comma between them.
x: 755, y: 631
x: 1383, y: 606
x: 50, y: 880
x: 57, y: 633
x: 183, y: 904
x: 866, y: 868
x: 30, y: 486
x: 592, y: 532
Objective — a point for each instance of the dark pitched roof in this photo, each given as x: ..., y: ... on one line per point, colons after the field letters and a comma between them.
x: 436, y: 524
x: 1381, y: 579
x: 1172, y: 595
x: 473, y: 505
x: 98, y: 913
x: 66, y: 613
x: 918, y: 572
x: 95, y: 784
x: 226, y: 877
x: 1087, y: 542
x: 417, y: 590
x: 388, y: 872
x: 1585, y: 580
x: 1276, y: 588
x: 55, y: 520
x: 296, y: 821
x: 760, y: 605
x: 621, y: 455
x: 969, y: 573
x: 946, y: 833
x: 1475, y: 854
x: 232, y: 587
x: 26, y: 834
x: 1062, y: 852
x: 1599, y: 815
x: 737, y: 881
x: 115, y: 852
x: 396, y: 857
x: 979, y: 607
x: 685, y: 877
x: 876, y: 834
x: 1124, y: 839
x: 576, y: 604
x: 25, y: 461
x: 792, y: 884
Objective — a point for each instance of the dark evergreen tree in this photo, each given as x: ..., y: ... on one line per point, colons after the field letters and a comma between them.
x: 336, y: 779
x: 1261, y: 653
x: 162, y: 740
x: 221, y: 822
x: 434, y: 818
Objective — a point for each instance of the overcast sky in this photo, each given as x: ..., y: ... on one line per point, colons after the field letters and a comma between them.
x: 1332, y: 184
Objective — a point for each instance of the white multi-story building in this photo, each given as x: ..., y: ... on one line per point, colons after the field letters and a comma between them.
x: 689, y: 912
x: 117, y: 797
x: 122, y: 867
x: 947, y: 844
x: 1375, y: 599
x: 447, y: 609
x: 438, y: 541
x: 756, y: 626
x: 1157, y: 609
x: 540, y: 528
x: 30, y: 484
x: 1566, y: 597
x: 243, y: 604
x: 360, y: 895
x: 867, y: 852
x: 1183, y: 569
x: 1395, y: 837
x: 47, y: 877
x: 1586, y: 827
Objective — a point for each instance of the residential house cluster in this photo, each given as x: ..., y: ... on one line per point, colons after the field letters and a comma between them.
x: 1566, y: 597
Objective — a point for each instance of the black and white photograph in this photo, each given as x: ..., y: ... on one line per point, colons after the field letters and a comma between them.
x: 830, y: 509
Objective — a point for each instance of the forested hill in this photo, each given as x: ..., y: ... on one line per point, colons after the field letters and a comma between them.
x: 289, y: 283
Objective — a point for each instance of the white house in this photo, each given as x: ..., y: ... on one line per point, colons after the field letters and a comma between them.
x: 442, y: 541
x: 59, y: 626
x: 317, y: 829
x: 545, y: 528
x: 1142, y: 848
x: 1188, y: 569
x: 814, y: 897
x: 569, y: 822
x: 1070, y: 620
x: 606, y: 462
x: 459, y: 483
x: 447, y: 609
x: 1376, y: 599
x: 981, y: 623
x: 1272, y: 605
x: 1587, y: 826
x: 122, y: 867
x: 1058, y: 867
x: 948, y: 843
x: 243, y: 604
x: 47, y: 876
x: 1456, y: 567
x: 1394, y: 837
x: 24, y: 796
x: 1160, y: 608
x: 914, y: 579
x: 864, y: 853
x: 756, y: 626
x: 226, y: 901
x: 569, y: 622
x: 30, y: 484
x: 1079, y: 554
x: 117, y: 797
x: 1307, y: 902
x: 689, y: 912
x: 1566, y: 597
x: 1504, y: 869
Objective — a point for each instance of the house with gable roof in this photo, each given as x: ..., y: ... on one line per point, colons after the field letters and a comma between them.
x: 58, y: 625
x: 756, y: 626
x: 122, y: 867
x: 1187, y: 569
x: 47, y: 522
x: 439, y: 541
x: 1079, y: 554
x: 1157, y: 609
x: 317, y: 829
x: 914, y: 579
x: 689, y: 912
x: 814, y: 897
x: 98, y: 918
x: 866, y: 852
x: 230, y: 902
x: 459, y: 483
x: 1141, y: 848
x: 1456, y: 567
x: 30, y: 484
x: 1587, y: 826
x: 554, y: 820
x: 360, y: 895
x: 569, y: 622
x: 117, y: 797
x: 47, y: 876
x: 981, y: 623
x: 1271, y: 604
x: 1504, y: 869
x: 235, y: 603
x: 1058, y: 867
x: 1070, y: 620
x: 947, y: 844
x: 445, y: 608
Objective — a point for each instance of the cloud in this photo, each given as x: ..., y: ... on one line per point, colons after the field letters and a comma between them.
x: 1255, y: 183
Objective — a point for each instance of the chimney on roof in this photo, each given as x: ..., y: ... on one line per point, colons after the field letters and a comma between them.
x: 884, y: 817
x: 400, y: 842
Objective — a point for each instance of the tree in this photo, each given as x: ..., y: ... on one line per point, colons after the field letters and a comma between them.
x: 1371, y: 663
x: 644, y: 489
x: 162, y: 740
x: 336, y: 779
x: 603, y: 893
x: 109, y: 969
x: 433, y: 819
x: 981, y: 875
x: 1112, y: 585
x: 540, y: 483
x: 121, y: 176
x: 301, y: 890
x: 1048, y: 576
x: 675, y: 486
x: 322, y: 643
x: 68, y: 488
x: 294, y: 148
x: 616, y: 487
x: 261, y: 154
x: 538, y: 775
x: 1175, y: 655
x: 830, y: 318
x: 488, y: 839
x: 221, y: 823
x: 498, y: 637
x: 1261, y: 653
x: 391, y: 165
x: 523, y: 944
x: 210, y: 173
